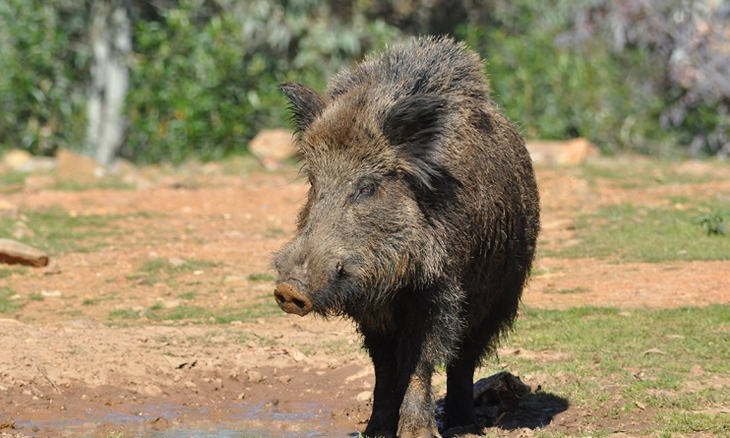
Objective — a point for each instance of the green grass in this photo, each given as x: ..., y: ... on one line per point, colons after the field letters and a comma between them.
x: 640, y: 174
x: 11, y: 179
x: 261, y: 276
x: 7, y: 272
x: 160, y: 270
x: 630, y: 233
x: 124, y: 314
x: 676, y: 228
x: 106, y: 183
x: 57, y: 231
x: 673, y: 363
x: 274, y: 232
x: 8, y: 302
x: 188, y: 295
x: 263, y: 307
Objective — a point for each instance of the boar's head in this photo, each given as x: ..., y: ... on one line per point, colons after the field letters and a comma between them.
x: 378, y: 182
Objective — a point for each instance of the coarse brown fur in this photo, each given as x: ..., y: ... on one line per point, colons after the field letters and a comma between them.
x: 420, y: 223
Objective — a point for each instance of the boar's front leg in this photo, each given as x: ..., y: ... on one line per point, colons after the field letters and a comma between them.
x: 417, y: 418
x: 402, y: 399
x: 388, y: 393
x: 423, y: 331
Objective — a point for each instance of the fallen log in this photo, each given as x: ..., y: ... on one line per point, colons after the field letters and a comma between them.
x: 13, y: 252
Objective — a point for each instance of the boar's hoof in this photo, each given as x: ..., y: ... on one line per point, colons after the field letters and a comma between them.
x: 292, y: 301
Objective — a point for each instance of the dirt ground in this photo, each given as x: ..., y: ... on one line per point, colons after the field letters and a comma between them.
x: 71, y: 366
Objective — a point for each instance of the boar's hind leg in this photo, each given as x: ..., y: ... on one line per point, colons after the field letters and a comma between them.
x: 459, y: 404
x: 459, y: 400
x: 388, y: 395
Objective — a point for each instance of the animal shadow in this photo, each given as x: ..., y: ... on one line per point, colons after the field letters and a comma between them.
x: 503, y: 401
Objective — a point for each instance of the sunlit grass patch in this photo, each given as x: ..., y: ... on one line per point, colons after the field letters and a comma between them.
x: 165, y: 270
x: 618, y: 363
x: 7, y: 272
x: 188, y: 295
x: 261, y: 307
x: 261, y: 276
x: 124, y: 314
x: 108, y: 182
x: 59, y: 231
x: 9, y: 301
x: 640, y: 173
x: 630, y: 233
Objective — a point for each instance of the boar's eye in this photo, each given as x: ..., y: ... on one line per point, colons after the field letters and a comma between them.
x: 312, y: 189
x: 365, y: 190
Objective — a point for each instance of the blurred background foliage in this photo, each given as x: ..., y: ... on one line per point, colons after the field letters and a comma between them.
x: 642, y: 75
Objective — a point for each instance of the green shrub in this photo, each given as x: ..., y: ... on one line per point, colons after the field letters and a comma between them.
x: 558, y: 90
x: 204, y: 73
x: 612, y: 72
x: 204, y: 85
x: 43, y: 75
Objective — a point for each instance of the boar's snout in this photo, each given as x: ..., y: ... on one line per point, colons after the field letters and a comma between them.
x: 291, y: 300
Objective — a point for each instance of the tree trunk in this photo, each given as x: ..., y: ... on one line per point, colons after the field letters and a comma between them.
x: 111, y: 43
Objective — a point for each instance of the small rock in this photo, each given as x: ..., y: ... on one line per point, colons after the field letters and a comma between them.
x: 234, y: 280
x: 295, y: 354
x: 181, y: 363
x: 14, y: 159
x: 284, y: 379
x: 39, y: 165
x: 176, y: 262
x: 152, y: 391
x: 575, y: 151
x: 254, y: 376
x: 160, y: 423
x: 273, y: 147
x: 170, y: 304
x: 53, y: 268
x: 364, y: 396
x: 51, y: 294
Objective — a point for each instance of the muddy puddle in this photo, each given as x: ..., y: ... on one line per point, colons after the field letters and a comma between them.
x: 265, y: 420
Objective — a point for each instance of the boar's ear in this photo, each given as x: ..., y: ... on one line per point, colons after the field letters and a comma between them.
x: 413, y: 126
x: 414, y: 119
x: 306, y: 104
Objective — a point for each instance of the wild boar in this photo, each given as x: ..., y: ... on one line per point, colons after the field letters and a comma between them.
x: 420, y: 223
